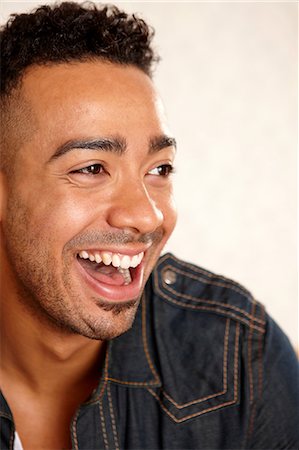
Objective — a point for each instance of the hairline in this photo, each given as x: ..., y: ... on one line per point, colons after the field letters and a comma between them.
x: 14, y: 99
x: 6, y: 94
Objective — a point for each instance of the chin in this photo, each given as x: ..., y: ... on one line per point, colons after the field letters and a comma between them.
x: 106, y: 320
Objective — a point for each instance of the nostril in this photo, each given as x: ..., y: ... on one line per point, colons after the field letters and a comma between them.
x: 141, y: 215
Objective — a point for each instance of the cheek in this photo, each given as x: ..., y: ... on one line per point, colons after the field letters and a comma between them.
x: 59, y: 217
x: 169, y: 213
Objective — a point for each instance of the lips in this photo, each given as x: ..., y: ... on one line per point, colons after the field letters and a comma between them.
x: 112, y: 276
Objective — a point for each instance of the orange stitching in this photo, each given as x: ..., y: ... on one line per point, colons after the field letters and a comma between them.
x: 260, y: 356
x: 135, y: 383
x: 236, y: 365
x: 103, y: 426
x: 112, y: 418
x: 211, y: 302
x: 249, y: 354
x: 206, y: 308
x: 74, y: 431
x: 213, y: 408
x: 105, y: 379
x: 183, y: 419
x: 250, y: 374
x: 260, y: 384
x: 194, y: 401
x: 225, y: 352
x: 106, y: 367
x: 144, y: 340
x: 145, y: 348
x: 228, y: 283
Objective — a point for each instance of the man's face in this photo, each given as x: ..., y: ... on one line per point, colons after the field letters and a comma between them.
x: 90, y: 191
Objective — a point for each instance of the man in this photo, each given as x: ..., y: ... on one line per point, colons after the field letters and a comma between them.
x: 104, y: 346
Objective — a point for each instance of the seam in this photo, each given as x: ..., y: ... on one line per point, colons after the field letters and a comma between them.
x: 213, y: 408
x: 236, y: 360
x: 6, y: 416
x: 207, y: 308
x: 250, y: 376
x: 259, y: 382
x: 105, y: 380
x: 226, y: 282
x: 249, y: 356
x: 225, y: 353
x: 74, y: 431
x: 112, y: 418
x: 210, y: 302
x: 105, y: 377
x: 103, y: 426
x: 132, y: 383
x: 260, y: 358
x: 148, y: 358
x: 144, y: 340
x: 190, y: 416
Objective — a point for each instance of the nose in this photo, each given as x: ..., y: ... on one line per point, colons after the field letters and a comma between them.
x: 133, y: 208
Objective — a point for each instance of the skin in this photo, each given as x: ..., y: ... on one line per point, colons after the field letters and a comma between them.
x: 52, y: 321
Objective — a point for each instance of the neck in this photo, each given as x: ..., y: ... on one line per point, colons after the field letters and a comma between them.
x: 42, y: 357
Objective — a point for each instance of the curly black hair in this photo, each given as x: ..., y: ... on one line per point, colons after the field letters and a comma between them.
x: 70, y: 31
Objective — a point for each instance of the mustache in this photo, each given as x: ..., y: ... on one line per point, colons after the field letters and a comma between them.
x: 97, y: 238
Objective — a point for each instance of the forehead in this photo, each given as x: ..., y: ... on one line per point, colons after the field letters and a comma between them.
x: 92, y: 98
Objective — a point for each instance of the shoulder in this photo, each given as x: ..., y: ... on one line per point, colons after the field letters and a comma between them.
x: 194, y: 288
x: 211, y: 330
x: 226, y: 349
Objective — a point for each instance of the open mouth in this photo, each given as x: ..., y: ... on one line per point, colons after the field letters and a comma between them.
x: 115, y: 276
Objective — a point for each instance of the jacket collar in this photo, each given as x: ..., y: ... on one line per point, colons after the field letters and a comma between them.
x: 4, y: 408
x: 130, y: 359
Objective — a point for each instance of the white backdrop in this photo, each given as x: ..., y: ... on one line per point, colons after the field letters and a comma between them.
x: 228, y: 77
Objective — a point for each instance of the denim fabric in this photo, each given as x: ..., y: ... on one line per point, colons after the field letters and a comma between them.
x: 203, y: 367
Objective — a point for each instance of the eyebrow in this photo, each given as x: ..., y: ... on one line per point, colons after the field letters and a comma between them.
x: 115, y: 145
x: 160, y: 142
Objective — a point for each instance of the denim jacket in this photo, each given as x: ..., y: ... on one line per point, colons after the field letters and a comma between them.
x: 203, y: 367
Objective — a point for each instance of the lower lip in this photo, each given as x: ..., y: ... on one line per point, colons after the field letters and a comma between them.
x: 115, y: 293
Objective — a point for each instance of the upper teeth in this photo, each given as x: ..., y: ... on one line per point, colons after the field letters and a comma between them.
x: 116, y: 259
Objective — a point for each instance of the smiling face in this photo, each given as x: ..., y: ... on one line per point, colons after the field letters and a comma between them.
x: 88, y: 207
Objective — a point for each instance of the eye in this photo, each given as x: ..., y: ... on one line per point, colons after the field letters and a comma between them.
x: 93, y: 169
x: 163, y: 171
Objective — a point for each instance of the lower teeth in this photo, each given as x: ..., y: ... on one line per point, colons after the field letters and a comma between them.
x: 126, y: 274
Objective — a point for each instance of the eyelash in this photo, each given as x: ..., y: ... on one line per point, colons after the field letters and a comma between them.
x: 96, y: 169
x: 88, y: 170
x: 168, y: 168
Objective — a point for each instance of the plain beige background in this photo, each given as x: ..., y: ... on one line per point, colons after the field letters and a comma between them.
x: 228, y: 77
